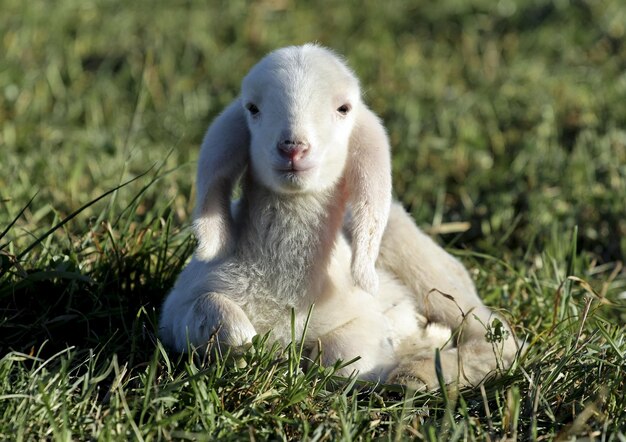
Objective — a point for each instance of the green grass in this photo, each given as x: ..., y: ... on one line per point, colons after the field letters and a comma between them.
x: 508, y: 116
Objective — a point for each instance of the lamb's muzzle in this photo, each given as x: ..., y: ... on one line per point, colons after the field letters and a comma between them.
x: 293, y: 151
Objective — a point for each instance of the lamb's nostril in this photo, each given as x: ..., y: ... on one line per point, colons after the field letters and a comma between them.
x: 292, y: 150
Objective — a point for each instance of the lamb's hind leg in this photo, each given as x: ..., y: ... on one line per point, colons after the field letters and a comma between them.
x: 445, y: 294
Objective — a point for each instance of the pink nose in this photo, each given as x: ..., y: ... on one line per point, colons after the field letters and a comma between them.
x: 292, y: 150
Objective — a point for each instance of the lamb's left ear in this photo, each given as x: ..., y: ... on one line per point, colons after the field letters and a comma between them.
x: 368, y: 174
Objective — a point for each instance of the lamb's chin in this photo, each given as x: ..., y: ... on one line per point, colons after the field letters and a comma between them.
x: 309, y: 178
x: 295, y: 181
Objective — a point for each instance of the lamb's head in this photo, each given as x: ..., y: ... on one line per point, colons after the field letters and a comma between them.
x: 299, y: 125
x: 300, y: 104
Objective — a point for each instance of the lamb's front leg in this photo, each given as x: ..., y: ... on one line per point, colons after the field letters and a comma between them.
x: 194, y: 312
x: 345, y: 327
x: 211, y: 315
x: 358, y: 338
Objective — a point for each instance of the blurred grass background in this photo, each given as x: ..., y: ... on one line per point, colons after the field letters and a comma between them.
x: 509, y: 116
x: 500, y: 113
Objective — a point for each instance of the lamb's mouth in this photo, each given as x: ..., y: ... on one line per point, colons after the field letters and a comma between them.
x: 293, y: 169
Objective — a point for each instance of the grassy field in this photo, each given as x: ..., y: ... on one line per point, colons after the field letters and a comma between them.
x: 508, y: 125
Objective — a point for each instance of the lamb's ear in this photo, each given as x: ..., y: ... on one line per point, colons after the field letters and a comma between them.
x: 223, y: 157
x: 368, y: 174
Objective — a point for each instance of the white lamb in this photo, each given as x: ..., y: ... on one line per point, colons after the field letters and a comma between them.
x: 315, y: 225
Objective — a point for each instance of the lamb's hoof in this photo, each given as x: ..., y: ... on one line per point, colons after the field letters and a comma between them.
x: 407, y: 378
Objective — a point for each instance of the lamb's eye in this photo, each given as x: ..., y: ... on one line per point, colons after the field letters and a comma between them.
x: 252, y: 108
x: 344, y: 109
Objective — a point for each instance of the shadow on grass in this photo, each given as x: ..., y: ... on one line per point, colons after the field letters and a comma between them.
x: 105, y: 287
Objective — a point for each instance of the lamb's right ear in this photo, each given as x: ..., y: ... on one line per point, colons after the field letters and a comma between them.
x: 223, y: 158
